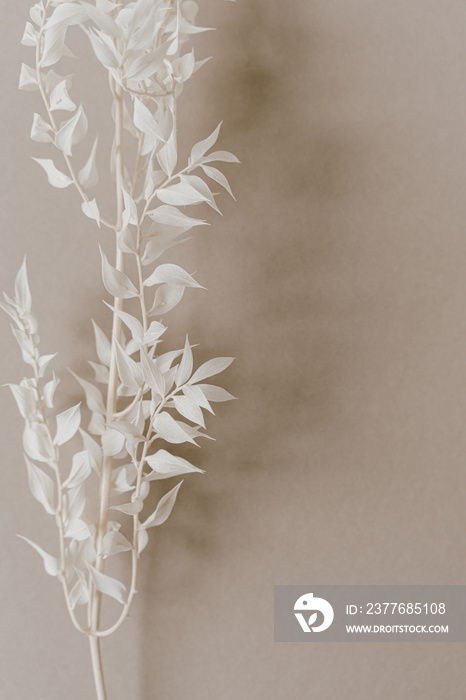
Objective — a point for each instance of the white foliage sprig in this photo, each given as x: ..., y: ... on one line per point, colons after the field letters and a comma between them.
x: 142, y: 404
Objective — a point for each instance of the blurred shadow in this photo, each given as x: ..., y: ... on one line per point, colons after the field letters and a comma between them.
x: 280, y: 314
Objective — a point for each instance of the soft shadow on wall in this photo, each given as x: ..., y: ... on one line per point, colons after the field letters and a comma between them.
x: 270, y: 310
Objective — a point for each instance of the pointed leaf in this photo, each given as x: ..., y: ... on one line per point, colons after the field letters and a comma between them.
x: 114, y: 543
x: 94, y: 398
x: 116, y: 282
x: 210, y: 368
x: 166, y: 465
x: 171, y: 274
x: 185, y: 367
x: 102, y: 344
x: 215, y: 393
x: 41, y: 486
x: 168, y: 429
x: 88, y: 176
x: 50, y: 562
x: 67, y: 424
x: 55, y: 177
x: 80, y: 470
x: 164, y: 508
x: 203, y: 146
x: 108, y: 585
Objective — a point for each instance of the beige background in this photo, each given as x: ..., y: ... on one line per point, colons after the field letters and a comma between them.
x: 338, y: 280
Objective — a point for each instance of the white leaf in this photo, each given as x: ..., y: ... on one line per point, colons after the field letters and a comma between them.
x: 55, y: 177
x: 88, y: 176
x: 72, y: 132
x: 168, y: 429
x: 36, y: 442
x: 143, y: 539
x: 171, y: 216
x: 28, y: 78
x: 25, y: 399
x: 40, y: 130
x: 41, y: 486
x: 67, y: 424
x: 80, y: 470
x: 60, y: 99
x: 116, y: 282
x: 202, y: 147
x: 164, y: 508
x: 129, y: 370
x: 107, y: 56
x: 126, y: 241
x: 152, y: 374
x: 130, y: 213
x: 112, y: 442
x: 79, y: 594
x: 171, y: 274
x: 123, y: 478
x: 108, y: 585
x: 94, y: 398
x: 166, y: 298
x: 166, y: 465
x: 30, y: 35
x: 50, y: 562
x: 114, y: 543
x: 134, y: 325
x: 145, y: 121
x: 154, y: 332
x: 215, y: 393
x: 185, y: 367
x: 193, y: 392
x: 36, y: 13
x: 198, y: 184
x: 184, y: 67
x: 189, y: 409
x: 167, y: 156
x: 44, y: 362
x: 224, y: 156
x: 211, y: 367
x: 130, y: 508
x: 74, y: 503
x: 102, y: 344
x: 49, y: 391
x: 77, y: 529
x: 91, y: 210
x: 94, y: 450
x: 181, y: 194
x: 219, y: 177
x: 96, y: 424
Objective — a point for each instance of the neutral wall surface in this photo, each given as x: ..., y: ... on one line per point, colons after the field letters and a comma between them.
x: 338, y: 281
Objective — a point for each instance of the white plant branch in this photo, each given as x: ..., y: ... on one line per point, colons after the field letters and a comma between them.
x: 150, y: 398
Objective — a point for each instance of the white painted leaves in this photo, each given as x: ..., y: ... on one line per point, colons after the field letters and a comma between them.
x: 163, y: 510
x: 108, y: 585
x: 41, y: 486
x: 67, y: 424
x: 50, y: 562
x: 55, y: 177
x: 165, y: 465
x: 117, y: 283
x: 141, y: 401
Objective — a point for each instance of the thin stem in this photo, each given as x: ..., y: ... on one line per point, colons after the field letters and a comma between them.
x: 56, y: 469
x: 97, y: 668
x: 53, y: 123
x: 105, y: 486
